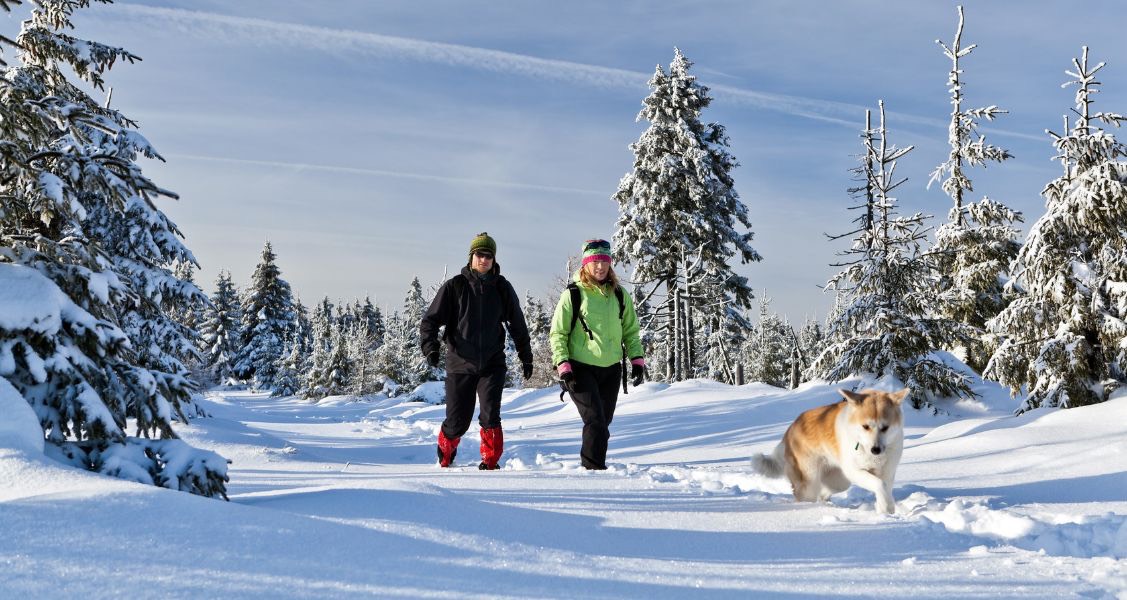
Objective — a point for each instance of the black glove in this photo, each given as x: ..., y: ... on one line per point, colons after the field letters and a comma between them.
x: 432, y: 358
x: 526, y: 370
x: 568, y: 383
x: 637, y: 374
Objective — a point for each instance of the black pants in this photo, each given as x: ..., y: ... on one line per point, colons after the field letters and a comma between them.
x: 461, y: 390
x: 596, y: 398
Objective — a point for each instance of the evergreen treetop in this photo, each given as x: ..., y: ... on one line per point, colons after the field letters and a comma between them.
x: 1063, y: 336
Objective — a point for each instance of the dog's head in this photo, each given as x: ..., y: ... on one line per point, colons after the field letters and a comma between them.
x: 874, y: 418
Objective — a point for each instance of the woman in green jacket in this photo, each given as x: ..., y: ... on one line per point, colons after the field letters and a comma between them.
x: 588, y: 356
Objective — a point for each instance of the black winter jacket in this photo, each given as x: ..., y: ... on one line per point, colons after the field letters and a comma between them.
x: 473, y: 310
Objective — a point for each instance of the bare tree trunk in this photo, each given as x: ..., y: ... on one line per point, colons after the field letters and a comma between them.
x: 794, y: 358
x: 690, y: 332
x: 675, y: 299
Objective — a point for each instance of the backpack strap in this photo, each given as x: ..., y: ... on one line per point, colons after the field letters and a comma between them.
x: 577, y: 301
x: 621, y: 312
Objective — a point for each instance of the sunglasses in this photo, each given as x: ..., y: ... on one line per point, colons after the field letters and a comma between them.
x: 596, y: 245
x: 484, y: 255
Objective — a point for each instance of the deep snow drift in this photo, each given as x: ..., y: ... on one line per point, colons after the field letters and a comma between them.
x: 344, y: 499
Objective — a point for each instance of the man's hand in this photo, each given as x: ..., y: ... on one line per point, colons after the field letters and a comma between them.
x: 526, y: 370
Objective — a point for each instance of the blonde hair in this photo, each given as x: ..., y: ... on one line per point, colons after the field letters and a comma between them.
x: 586, y: 279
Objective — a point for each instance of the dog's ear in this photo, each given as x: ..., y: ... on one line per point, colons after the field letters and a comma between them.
x: 852, y: 396
x: 898, y: 397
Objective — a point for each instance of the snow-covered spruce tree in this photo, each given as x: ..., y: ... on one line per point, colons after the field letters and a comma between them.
x: 360, y: 349
x: 974, y: 249
x: 322, y: 349
x: 364, y: 339
x: 885, y: 325
x: 727, y: 333
x: 399, y: 359
x: 70, y: 190
x: 414, y: 306
x: 267, y: 319
x: 359, y: 336
x: 221, y: 331
x: 1063, y: 337
x: 337, y: 380
x: 291, y: 367
x: 142, y: 244
x: 539, y: 323
x: 371, y: 319
x: 678, y: 216
x: 289, y: 370
x: 769, y: 348
x: 191, y: 310
x: 811, y: 340
x: 302, y: 328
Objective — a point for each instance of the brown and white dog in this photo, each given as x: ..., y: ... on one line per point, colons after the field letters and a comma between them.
x: 858, y: 440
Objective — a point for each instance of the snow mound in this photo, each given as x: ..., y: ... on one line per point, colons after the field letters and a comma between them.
x: 1054, y: 534
x: 431, y: 392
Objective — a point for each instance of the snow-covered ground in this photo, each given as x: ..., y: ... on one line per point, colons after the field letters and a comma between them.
x: 344, y: 499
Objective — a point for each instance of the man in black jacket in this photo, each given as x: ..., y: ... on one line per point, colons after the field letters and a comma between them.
x: 474, y: 308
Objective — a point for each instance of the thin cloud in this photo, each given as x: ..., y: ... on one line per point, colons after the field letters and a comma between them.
x: 358, y: 43
x: 382, y: 173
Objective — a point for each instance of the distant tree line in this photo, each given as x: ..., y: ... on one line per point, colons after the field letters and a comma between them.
x: 1044, y: 317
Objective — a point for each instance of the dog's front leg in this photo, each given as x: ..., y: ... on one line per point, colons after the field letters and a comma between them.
x: 876, y: 485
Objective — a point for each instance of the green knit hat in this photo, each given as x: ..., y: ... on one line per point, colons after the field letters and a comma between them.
x: 483, y: 242
x: 596, y: 250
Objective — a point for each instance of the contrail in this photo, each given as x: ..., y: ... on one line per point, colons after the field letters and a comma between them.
x: 385, y: 173
x: 225, y: 28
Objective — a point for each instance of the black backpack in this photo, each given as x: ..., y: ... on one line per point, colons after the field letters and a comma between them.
x: 576, y: 302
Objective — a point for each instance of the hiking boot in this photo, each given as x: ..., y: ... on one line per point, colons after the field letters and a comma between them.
x: 447, y: 449
x: 485, y: 467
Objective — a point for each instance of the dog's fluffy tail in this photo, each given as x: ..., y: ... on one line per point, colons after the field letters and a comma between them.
x: 769, y: 465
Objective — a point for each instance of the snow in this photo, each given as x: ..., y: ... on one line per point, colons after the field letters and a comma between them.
x: 30, y: 300
x: 343, y: 499
x: 19, y: 427
x: 33, y: 302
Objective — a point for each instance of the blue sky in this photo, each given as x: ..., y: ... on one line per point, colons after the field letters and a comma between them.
x: 369, y: 141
